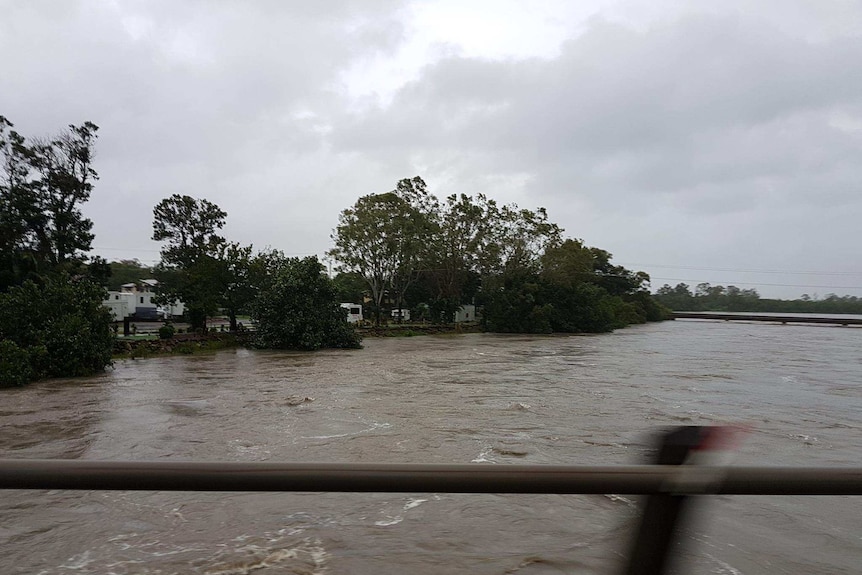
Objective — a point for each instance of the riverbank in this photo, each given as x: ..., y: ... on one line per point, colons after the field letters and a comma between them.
x: 411, y: 330
x: 179, y: 344
x: 191, y: 343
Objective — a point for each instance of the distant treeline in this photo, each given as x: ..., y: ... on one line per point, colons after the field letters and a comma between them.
x: 708, y: 297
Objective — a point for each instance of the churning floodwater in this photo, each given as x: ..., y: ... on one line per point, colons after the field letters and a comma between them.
x: 488, y: 399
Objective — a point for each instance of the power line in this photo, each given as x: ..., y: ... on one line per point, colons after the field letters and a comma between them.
x: 845, y: 273
x: 152, y: 251
x: 762, y: 284
x: 124, y: 249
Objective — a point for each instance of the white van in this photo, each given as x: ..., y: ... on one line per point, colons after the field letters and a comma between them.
x: 354, y: 312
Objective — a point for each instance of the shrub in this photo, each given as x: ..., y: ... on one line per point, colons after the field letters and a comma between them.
x: 14, y: 364
x: 517, y: 307
x: 187, y: 348
x: 166, y: 331
x: 300, y: 310
x: 61, y: 327
x: 140, y: 352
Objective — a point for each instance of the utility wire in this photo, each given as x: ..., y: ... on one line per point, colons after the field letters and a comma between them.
x: 124, y: 249
x: 760, y: 284
x: 845, y: 273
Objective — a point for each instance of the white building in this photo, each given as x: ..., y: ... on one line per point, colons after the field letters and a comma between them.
x: 465, y: 313
x: 402, y: 314
x: 136, y: 299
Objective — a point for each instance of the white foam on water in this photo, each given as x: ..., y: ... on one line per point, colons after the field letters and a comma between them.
x: 412, y: 503
x: 484, y: 456
x: 723, y: 567
x: 248, y: 448
x: 270, y: 560
x: 308, y: 550
x: 389, y: 521
x: 174, y: 551
x: 121, y: 563
x: 620, y: 499
x: 77, y: 562
x: 519, y: 406
x: 336, y: 436
x: 390, y: 518
x: 374, y: 426
x: 320, y: 557
x: 605, y: 443
x: 806, y: 439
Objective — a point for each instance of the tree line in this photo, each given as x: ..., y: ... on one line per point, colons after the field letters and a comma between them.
x: 293, y: 302
x: 399, y: 249
x: 52, y: 319
x: 52, y: 322
x: 414, y: 251
x: 707, y: 297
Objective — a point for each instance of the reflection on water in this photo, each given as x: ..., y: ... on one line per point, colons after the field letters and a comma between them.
x: 474, y: 398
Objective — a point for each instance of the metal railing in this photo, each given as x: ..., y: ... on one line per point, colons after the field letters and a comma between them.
x: 395, y: 478
x: 668, y: 484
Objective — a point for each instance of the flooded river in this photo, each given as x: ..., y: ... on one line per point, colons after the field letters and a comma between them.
x: 480, y: 398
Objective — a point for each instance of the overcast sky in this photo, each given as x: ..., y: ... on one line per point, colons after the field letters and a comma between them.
x: 696, y: 141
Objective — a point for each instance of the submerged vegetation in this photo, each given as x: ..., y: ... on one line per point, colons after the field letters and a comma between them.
x: 299, y: 309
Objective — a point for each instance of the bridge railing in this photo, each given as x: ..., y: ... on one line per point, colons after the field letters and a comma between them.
x: 669, y: 484
x: 412, y: 478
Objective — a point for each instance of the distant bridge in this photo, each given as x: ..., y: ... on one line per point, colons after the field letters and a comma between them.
x: 767, y: 318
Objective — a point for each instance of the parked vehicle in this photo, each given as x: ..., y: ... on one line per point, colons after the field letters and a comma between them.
x: 354, y: 312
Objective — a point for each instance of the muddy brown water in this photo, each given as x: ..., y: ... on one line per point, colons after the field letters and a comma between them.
x: 488, y: 399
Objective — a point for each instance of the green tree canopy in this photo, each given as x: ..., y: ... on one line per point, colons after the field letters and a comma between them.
x: 127, y: 271
x: 708, y: 297
x: 55, y: 329
x: 44, y: 183
x: 191, y: 269
x: 236, y: 279
x: 350, y: 287
x: 513, y: 261
x: 52, y: 322
x: 459, y: 249
x: 189, y: 226
x: 299, y: 309
x: 384, y: 238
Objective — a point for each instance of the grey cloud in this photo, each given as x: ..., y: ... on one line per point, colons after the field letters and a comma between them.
x: 710, y: 139
x: 192, y: 97
x: 689, y: 139
x: 705, y: 99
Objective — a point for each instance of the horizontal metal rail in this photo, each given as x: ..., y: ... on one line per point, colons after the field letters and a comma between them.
x: 401, y: 478
x: 767, y: 318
